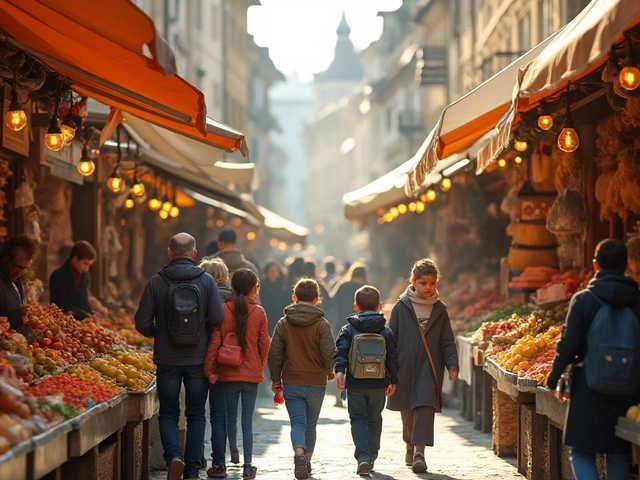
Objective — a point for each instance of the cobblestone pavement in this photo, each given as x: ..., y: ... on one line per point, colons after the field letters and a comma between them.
x: 461, y: 452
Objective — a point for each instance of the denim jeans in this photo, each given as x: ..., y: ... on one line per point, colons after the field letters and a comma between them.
x: 365, y: 412
x: 584, y: 465
x: 196, y: 386
x: 218, y: 419
x: 303, y: 403
x: 233, y: 392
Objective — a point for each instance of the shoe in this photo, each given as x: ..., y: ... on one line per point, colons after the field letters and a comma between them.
x: 419, y: 464
x: 235, y: 455
x: 249, y: 471
x: 301, y: 466
x: 373, y: 461
x: 408, y: 457
x: 217, y: 471
x: 176, y: 467
x: 309, y: 466
x: 192, y: 477
x: 364, y: 468
x: 203, y: 463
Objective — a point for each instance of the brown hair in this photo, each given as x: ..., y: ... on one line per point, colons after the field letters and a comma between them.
x: 20, y: 242
x: 83, y: 250
x: 242, y: 283
x: 216, y: 268
x: 423, y: 267
x: 367, y: 298
x: 306, y: 290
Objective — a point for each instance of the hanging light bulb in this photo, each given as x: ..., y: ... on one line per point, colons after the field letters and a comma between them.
x: 518, y: 160
x: 166, y: 204
x: 174, y: 212
x: 419, y: 207
x: 545, y: 122
x: 154, y: 203
x: 68, y: 126
x: 446, y: 184
x: 114, y: 182
x: 431, y: 195
x: 388, y: 217
x: 163, y: 214
x: 402, y: 209
x: 54, y: 139
x: 15, y: 118
x: 502, y: 163
x: 520, y: 145
x: 86, y: 166
x: 129, y: 203
x: 568, y: 140
x: 412, y: 207
x: 629, y: 76
x: 138, y: 187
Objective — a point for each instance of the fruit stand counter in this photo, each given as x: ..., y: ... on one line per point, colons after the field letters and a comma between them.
x: 50, y: 450
x: 14, y: 463
x: 630, y: 431
x: 465, y: 358
x: 141, y: 407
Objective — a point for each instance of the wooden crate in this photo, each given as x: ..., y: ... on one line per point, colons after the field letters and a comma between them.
x: 532, y: 438
x: 505, y: 423
x: 101, y: 462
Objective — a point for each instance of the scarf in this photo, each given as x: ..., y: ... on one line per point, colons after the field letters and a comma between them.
x: 422, y: 306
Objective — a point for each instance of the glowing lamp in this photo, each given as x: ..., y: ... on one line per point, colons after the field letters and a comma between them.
x: 68, y: 128
x: 282, y: 246
x: 381, y: 221
x: 388, y: 217
x: 402, y: 209
x: 502, y: 163
x: 15, y: 118
x: 166, y: 204
x: 163, y: 214
x: 154, y: 204
x: 446, y: 184
x: 518, y: 160
x: 545, y: 122
x: 251, y: 236
x: 520, y: 145
x: 54, y: 139
x: 568, y: 140
x: 419, y: 207
x: 86, y: 166
x: 629, y: 78
x: 273, y: 242
x: 138, y: 187
x: 129, y: 203
x: 114, y: 182
x: 394, y: 211
x: 412, y: 207
x: 174, y: 212
x: 431, y: 195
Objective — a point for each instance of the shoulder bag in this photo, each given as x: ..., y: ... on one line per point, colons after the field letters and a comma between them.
x: 428, y: 351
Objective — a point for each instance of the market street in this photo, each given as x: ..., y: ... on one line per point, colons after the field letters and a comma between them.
x: 461, y: 452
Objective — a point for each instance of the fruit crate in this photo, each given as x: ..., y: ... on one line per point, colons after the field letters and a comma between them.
x: 101, y: 462
x: 532, y: 442
x: 14, y: 462
x: 50, y: 450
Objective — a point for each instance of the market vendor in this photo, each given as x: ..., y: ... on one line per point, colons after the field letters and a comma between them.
x: 16, y: 255
x: 69, y: 284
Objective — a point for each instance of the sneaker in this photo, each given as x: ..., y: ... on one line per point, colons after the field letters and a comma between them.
x: 249, y: 471
x: 309, y: 466
x: 217, y: 471
x: 176, y: 467
x: 408, y: 457
x: 364, y: 468
x: 301, y: 466
x: 419, y: 464
x: 235, y: 455
x: 192, y: 477
x: 373, y: 461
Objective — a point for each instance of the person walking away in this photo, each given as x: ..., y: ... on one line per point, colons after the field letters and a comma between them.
x: 217, y: 409
x: 229, y: 253
x: 592, y: 416
x: 300, y: 363
x: 417, y: 317
x: 310, y: 270
x: 236, y: 356
x: 344, y: 292
x: 16, y: 255
x: 69, y: 284
x: 330, y: 270
x: 274, y: 294
x: 180, y: 291
x: 367, y: 366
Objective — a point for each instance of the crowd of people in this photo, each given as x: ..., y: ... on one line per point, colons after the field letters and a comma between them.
x: 217, y: 325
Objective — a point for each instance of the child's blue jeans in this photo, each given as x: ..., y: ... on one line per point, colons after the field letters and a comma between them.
x: 303, y: 404
x: 584, y: 465
x: 365, y: 412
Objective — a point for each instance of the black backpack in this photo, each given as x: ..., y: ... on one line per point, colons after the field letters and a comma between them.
x: 186, y: 311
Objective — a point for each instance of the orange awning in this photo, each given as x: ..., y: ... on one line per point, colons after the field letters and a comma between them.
x: 100, y: 47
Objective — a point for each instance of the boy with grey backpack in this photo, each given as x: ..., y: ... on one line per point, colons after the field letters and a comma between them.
x: 367, y: 367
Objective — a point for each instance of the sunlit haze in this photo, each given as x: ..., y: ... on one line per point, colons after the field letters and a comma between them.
x: 301, y: 34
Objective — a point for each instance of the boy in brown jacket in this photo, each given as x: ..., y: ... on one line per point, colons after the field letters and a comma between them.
x: 300, y: 363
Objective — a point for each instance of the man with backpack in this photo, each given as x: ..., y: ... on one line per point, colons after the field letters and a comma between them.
x: 367, y: 366
x: 179, y: 308
x: 601, y: 341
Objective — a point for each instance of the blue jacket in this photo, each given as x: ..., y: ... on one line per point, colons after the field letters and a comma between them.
x: 152, y: 315
x: 366, y: 322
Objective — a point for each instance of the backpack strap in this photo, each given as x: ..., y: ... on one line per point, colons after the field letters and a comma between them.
x: 165, y: 277
x: 170, y: 282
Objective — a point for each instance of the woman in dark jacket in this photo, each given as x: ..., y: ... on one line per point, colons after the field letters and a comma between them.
x: 274, y: 294
x: 591, y: 419
x: 310, y: 270
x: 344, y: 292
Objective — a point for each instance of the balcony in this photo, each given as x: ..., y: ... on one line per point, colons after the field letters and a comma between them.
x: 432, y: 66
x: 410, y: 123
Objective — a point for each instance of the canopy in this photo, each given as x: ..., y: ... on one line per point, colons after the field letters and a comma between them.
x: 581, y: 47
x: 283, y: 228
x: 467, y: 119
x: 195, y: 156
x: 100, y: 46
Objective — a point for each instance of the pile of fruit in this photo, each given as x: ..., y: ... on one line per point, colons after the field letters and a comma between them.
x: 526, y: 349
x: 633, y: 413
x: 123, y: 324
x: 539, y: 368
x: 130, y: 369
x: 75, y: 391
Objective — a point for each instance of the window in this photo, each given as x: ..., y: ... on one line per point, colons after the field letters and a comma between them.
x: 215, y: 21
x: 215, y: 94
x: 198, y: 12
x: 524, y: 31
x: 545, y: 19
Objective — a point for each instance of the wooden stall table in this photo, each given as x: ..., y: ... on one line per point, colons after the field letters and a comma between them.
x: 555, y: 459
x: 481, y: 386
x: 14, y: 462
x: 141, y: 407
x: 94, y: 442
x: 50, y: 452
x: 465, y: 377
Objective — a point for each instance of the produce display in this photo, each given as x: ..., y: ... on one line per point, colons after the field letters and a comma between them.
x: 562, y: 287
x: 533, y: 278
x: 123, y: 324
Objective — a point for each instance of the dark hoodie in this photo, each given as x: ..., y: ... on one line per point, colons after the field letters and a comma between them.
x: 234, y: 260
x: 225, y: 292
x: 592, y: 416
x: 366, y: 322
x: 301, y: 351
x: 153, y: 314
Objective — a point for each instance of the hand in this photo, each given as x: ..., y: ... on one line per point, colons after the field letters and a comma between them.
x: 340, y: 381
x: 453, y: 375
x: 213, y: 378
x: 390, y: 390
x: 331, y: 375
x: 23, y: 310
x: 557, y: 395
x: 276, y: 387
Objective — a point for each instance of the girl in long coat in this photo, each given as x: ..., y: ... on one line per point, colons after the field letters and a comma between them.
x: 418, y: 397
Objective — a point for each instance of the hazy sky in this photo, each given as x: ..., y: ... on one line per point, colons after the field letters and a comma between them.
x: 301, y: 34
